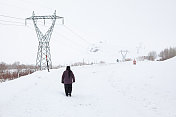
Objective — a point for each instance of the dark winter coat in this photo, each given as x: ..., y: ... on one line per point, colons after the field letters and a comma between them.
x: 66, y: 79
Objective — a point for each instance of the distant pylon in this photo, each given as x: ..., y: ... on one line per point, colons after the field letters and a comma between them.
x: 123, y: 53
x: 43, y: 60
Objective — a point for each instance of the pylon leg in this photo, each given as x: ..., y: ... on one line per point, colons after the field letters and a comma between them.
x: 43, y: 51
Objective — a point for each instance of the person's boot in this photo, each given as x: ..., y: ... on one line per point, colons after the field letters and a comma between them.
x: 66, y: 94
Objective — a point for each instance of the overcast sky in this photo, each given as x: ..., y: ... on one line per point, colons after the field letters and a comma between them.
x: 119, y: 24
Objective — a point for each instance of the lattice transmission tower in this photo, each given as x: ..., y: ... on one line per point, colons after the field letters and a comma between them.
x: 123, y: 53
x: 43, y: 60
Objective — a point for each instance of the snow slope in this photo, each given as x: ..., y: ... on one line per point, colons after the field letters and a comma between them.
x: 106, y: 90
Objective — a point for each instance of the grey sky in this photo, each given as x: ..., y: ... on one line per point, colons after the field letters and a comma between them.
x: 119, y: 24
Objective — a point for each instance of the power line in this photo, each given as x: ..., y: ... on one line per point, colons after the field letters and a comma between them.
x: 78, y: 35
x: 17, y: 24
x: 12, y: 17
x: 10, y: 24
x: 68, y: 28
x: 71, y: 41
x: 11, y: 21
x: 72, y: 44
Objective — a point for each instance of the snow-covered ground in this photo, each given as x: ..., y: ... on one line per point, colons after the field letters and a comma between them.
x: 106, y: 90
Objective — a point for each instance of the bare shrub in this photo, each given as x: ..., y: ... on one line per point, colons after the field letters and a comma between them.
x: 15, y: 70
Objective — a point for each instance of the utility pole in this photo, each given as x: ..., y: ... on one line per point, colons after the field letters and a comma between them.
x: 43, y: 60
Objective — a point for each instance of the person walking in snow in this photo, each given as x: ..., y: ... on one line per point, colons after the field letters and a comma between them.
x: 67, y: 79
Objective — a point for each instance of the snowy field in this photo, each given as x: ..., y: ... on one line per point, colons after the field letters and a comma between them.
x: 147, y: 89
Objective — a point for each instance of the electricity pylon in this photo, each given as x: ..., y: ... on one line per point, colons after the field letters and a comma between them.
x: 43, y: 60
x: 124, y: 53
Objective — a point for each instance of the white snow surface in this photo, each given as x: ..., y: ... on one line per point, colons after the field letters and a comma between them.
x: 106, y: 90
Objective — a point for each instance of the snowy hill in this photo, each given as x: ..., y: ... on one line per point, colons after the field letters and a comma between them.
x: 106, y: 90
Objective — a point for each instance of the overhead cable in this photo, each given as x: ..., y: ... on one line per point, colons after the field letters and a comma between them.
x: 76, y: 34
x: 11, y: 17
